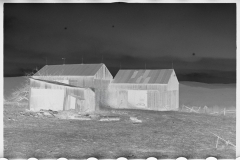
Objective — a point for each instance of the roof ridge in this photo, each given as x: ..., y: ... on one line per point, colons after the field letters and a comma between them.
x: 74, y: 64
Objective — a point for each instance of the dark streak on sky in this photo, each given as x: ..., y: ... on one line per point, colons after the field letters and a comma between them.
x: 195, y: 37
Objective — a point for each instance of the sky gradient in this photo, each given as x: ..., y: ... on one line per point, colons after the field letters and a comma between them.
x: 192, y: 38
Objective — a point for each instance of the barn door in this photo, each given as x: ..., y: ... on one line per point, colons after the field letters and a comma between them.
x: 80, y: 107
x: 138, y: 98
x: 122, y: 100
x: 72, y: 103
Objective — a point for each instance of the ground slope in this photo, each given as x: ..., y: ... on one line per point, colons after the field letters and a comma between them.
x: 161, y: 134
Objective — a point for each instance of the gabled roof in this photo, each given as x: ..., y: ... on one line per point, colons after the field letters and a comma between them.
x: 143, y: 76
x: 69, y: 70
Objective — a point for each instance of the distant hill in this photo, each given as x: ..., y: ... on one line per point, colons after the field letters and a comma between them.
x: 208, y: 85
x: 208, y: 76
x: 201, y: 94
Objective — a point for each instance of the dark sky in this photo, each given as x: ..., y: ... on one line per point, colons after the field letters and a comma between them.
x: 195, y: 37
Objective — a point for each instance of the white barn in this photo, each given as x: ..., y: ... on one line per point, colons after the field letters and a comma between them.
x: 94, y: 76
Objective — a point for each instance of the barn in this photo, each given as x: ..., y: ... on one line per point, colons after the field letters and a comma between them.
x: 59, y: 96
x: 145, y: 89
x: 94, y: 76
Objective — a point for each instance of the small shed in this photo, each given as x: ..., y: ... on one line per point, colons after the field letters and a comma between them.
x: 58, y: 96
x: 145, y: 89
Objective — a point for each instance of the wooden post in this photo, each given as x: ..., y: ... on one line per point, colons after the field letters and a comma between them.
x: 97, y: 100
x: 29, y: 97
x: 228, y: 142
x: 77, y: 104
x: 65, y: 101
x: 205, y: 109
x: 183, y: 106
x: 217, y: 142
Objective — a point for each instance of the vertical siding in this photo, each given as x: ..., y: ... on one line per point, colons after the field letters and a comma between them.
x: 122, y: 100
x: 163, y: 101
x: 97, y: 99
x: 158, y: 97
x: 173, y: 88
x: 177, y: 99
x: 153, y: 99
x: 173, y: 83
x: 89, y: 101
x: 169, y: 100
x: 29, y: 96
x: 65, y: 101
x: 103, y: 73
x: 149, y: 100
x: 101, y: 82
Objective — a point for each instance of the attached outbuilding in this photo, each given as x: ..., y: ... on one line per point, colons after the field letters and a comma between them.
x: 95, y: 76
x: 145, y: 89
x: 59, y: 96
